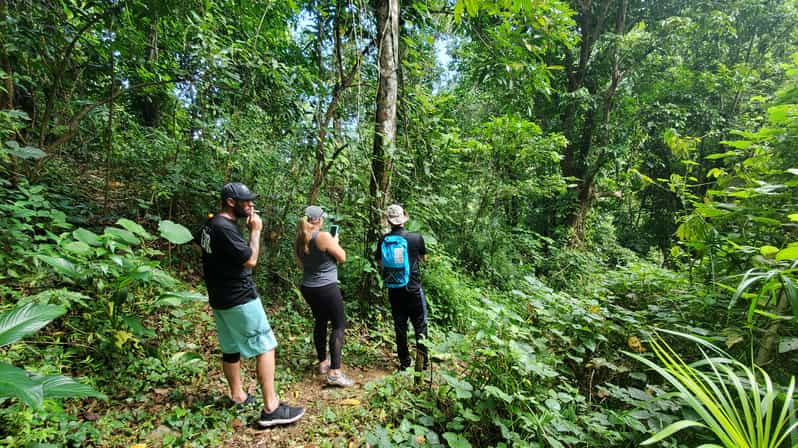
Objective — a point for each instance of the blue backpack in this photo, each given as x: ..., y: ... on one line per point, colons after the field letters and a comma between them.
x: 395, y: 261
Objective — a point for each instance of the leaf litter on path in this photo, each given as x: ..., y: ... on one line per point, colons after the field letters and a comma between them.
x: 330, y: 413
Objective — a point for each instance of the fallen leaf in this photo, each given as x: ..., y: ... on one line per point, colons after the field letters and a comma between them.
x: 160, y: 391
x: 635, y: 344
x: 350, y: 402
x: 237, y: 424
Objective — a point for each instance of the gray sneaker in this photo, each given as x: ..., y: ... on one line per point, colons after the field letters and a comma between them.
x: 339, y: 380
x: 283, y: 415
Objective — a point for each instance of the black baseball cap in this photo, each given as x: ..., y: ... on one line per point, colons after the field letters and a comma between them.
x: 237, y: 191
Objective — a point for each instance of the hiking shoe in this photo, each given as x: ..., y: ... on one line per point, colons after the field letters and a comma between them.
x: 283, y: 415
x: 339, y: 380
x: 248, y: 402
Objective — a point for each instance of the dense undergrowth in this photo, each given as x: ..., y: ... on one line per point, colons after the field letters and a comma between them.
x: 587, y: 175
x: 524, y: 365
x: 532, y: 366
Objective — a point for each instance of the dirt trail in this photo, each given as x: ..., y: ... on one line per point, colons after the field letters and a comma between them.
x: 331, y: 413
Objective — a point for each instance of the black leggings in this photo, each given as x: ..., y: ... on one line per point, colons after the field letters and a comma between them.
x: 327, y: 305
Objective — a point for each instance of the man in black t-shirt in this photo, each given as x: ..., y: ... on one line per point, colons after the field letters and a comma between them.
x: 408, y: 302
x: 241, y: 323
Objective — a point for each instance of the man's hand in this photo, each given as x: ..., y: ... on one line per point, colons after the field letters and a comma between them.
x: 255, y: 225
x: 254, y: 222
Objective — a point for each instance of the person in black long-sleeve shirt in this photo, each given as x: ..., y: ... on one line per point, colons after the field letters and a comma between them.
x: 407, y: 302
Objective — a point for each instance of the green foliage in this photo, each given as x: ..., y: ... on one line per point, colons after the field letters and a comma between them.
x: 25, y: 320
x: 738, y: 404
x: 17, y: 383
x: 92, y: 280
x: 737, y: 229
x: 500, y: 379
x: 175, y: 233
x: 671, y: 127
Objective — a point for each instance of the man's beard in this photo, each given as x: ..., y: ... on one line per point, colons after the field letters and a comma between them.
x: 239, y: 211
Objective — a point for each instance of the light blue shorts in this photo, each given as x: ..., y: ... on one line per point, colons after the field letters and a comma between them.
x: 244, y: 329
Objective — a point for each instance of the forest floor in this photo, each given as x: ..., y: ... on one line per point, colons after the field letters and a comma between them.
x: 198, y: 408
x: 323, y: 405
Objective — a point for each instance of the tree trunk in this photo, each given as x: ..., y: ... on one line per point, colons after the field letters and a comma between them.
x: 7, y: 98
x: 576, y: 160
x: 385, y: 121
x: 384, y: 125
x: 150, y: 103
x: 769, y: 347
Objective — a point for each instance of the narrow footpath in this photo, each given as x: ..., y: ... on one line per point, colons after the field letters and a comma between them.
x: 332, y: 414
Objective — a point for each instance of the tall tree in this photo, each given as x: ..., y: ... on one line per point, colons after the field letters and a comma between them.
x: 592, y: 90
x: 387, y: 12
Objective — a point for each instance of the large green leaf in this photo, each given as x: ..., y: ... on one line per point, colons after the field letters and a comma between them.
x: 61, y: 296
x: 61, y: 386
x: 25, y: 320
x: 87, y: 236
x: 121, y: 235
x: 61, y: 265
x: 789, y: 253
x: 456, y: 440
x: 137, y: 327
x: 788, y: 345
x: 164, y: 279
x: 781, y: 114
x: 721, y: 155
x: 175, y: 233
x: 134, y: 228
x: 462, y: 388
x: 183, y: 359
x: 23, y: 152
x: 671, y: 429
x: 78, y: 248
x: 178, y: 297
x: 17, y: 383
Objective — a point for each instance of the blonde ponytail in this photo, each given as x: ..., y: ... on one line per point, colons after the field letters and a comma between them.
x: 303, y: 232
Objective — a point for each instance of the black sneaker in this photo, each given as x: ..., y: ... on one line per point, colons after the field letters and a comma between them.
x: 283, y: 415
x: 249, y: 402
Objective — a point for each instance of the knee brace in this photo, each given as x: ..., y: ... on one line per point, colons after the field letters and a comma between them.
x: 231, y: 357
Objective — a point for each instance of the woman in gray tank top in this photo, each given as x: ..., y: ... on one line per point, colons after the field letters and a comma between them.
x: 319, y: 253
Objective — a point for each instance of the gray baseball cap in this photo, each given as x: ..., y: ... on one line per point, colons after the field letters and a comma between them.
x: 314, y: 213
